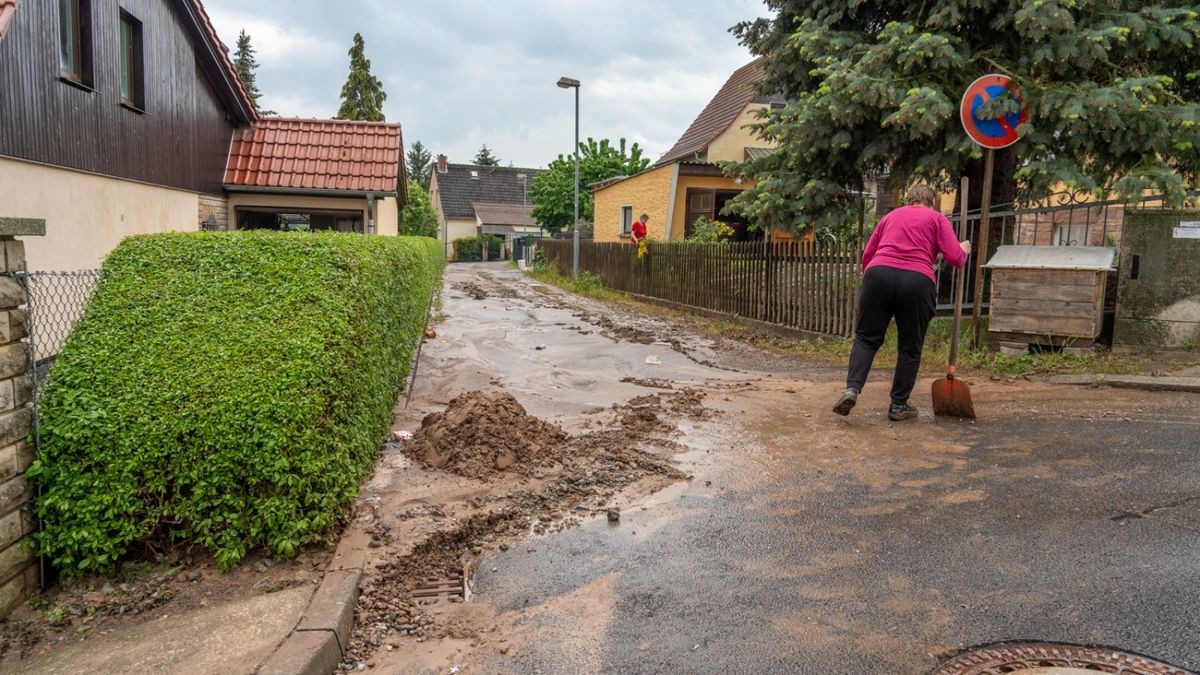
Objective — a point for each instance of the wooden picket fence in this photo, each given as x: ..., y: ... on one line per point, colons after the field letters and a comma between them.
x: 804, y: 285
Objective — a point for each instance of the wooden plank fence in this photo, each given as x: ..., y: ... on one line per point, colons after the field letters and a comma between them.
x: 805, y: 285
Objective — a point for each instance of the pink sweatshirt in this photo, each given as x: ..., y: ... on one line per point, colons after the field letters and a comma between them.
x: 910, y: 238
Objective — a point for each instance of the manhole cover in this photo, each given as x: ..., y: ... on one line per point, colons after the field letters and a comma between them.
x: 1044, y: 658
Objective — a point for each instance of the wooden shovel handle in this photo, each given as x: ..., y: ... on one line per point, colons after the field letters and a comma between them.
x: 960, y: 280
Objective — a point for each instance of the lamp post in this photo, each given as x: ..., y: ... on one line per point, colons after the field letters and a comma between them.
x: 568, y: 83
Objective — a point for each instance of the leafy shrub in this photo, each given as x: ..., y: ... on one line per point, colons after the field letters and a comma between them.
x: 470, y: 249
x: 708, y: 231
x: 228, y: 389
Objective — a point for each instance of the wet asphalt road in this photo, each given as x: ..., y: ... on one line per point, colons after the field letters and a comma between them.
x: 811, y: 544
x: 1055, y: 529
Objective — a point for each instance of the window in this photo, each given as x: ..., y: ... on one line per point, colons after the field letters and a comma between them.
x: 131, y: 62
x: 626, y: 220
x: 75, y: 41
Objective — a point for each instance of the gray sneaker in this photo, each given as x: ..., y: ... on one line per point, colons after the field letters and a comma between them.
x: 846, y: 404
x: 901, y: 412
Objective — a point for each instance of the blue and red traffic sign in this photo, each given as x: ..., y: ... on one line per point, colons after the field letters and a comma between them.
x: 992, y: 133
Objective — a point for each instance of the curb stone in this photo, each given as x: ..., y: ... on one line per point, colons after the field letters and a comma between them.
x: 318, y: 642
x: 1142, y: 382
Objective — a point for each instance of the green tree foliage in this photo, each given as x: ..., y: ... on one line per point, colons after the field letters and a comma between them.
x: 420, y: 164
x: 362, y: 95
x: 245, y: 64
x: 226, y: 389
x: 485, y: 157
x: 875, y: 88
x: 418, y: 218
x: 553, y: 191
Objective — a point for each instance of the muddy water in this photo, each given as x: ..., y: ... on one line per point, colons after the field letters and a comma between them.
x: 803, y: 542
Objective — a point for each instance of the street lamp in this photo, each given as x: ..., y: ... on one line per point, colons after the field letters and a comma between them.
x: 568, y: 83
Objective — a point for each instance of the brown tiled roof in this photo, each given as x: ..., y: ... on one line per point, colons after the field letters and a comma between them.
x: 7, y: 9
x: 720, y: 112
x: 504, y: 214
x: 310, y: 154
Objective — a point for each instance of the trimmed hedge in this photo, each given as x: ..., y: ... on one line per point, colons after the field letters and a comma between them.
x: 470, y: 249
x: 228, y: 389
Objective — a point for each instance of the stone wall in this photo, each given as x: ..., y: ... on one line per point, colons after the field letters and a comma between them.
x: 18, y: 569
x: 216, y: 206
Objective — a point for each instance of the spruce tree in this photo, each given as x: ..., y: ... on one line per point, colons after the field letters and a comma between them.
x: 874, y: 88
x: 245, y: 64
x: 485, y: 157
x: 420, y: 164
x: 362, y: 95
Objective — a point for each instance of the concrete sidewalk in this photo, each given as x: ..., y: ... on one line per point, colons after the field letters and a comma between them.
x: 233, y: 638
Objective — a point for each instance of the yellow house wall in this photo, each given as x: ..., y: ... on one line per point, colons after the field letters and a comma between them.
x: 387, y: 216
x: 731, y: 145
x: 648, y: 192
x: 87, y: 215
x: 679, y: 216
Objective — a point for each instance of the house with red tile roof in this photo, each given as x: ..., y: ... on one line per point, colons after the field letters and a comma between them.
x: 121, y: 118
x: 687, y: 183
x: 288, y: 173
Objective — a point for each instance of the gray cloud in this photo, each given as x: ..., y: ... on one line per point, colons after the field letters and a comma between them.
x: 460, y: 73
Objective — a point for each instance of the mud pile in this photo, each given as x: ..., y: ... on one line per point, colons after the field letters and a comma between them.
x: 491, y: 435
x: 478, y: 291
x: 480, y: 434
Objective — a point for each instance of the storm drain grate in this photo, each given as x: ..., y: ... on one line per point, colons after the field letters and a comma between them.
x: 1014, y: 658
x: 447, y: 588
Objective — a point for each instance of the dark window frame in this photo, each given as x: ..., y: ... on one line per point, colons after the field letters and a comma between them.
x: 130, y: 44
x: 81, y: 43
x: 626, y: 227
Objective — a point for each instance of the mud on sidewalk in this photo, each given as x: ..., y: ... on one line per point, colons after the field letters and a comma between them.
x: 484, y: 474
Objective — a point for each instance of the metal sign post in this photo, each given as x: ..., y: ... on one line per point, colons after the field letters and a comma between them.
x: 992, y: 133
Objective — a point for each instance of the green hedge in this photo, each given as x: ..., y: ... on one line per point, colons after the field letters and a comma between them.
x: 228, y: 389
x: 470, y: 249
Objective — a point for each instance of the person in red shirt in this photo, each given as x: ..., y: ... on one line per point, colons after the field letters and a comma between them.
x: 898, y: 282
x: 639, y: 229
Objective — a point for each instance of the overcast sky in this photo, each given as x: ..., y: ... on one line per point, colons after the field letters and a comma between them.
x: 460, y: 73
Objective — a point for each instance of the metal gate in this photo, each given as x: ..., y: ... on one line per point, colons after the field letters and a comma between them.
x: 1062, y: 219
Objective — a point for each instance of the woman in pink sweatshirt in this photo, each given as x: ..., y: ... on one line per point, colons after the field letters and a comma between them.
x: 898, y: 283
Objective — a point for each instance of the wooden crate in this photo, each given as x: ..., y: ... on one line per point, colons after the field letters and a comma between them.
x: 1033, y: 301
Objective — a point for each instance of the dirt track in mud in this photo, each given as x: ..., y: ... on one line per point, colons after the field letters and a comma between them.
x: 480, y: 472
x: 617, y: 397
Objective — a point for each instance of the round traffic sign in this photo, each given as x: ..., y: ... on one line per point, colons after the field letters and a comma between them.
x: 992, y: 133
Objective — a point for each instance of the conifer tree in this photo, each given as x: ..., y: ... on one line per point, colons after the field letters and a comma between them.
x: 420, y: 164
x: 362, y: 95
x: 485, y: 157
x: 245, y: 64
x: 874, y: 88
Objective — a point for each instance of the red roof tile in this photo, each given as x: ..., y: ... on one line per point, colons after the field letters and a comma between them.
x: 282, y: 152
x: 7, y: 9
x: 720, y: 112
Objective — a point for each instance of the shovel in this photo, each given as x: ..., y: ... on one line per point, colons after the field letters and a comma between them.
x: 952, y: 396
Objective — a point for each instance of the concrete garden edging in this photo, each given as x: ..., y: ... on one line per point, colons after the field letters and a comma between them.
x: 318, y: 642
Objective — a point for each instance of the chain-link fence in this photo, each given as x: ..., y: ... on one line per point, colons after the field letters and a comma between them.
x: 56, y: 300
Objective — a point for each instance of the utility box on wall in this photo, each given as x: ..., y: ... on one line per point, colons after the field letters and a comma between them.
x: 1158, y: 299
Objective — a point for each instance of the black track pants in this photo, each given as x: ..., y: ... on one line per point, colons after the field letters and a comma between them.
x: 887, y: 293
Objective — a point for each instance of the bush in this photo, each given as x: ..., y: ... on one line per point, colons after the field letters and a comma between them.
x: 470, y: 249
x: 228, y: 389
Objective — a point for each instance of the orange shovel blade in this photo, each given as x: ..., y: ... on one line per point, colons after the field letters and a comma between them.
x: 952, y: 397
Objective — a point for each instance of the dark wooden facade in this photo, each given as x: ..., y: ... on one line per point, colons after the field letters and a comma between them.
x: 180, y: 140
